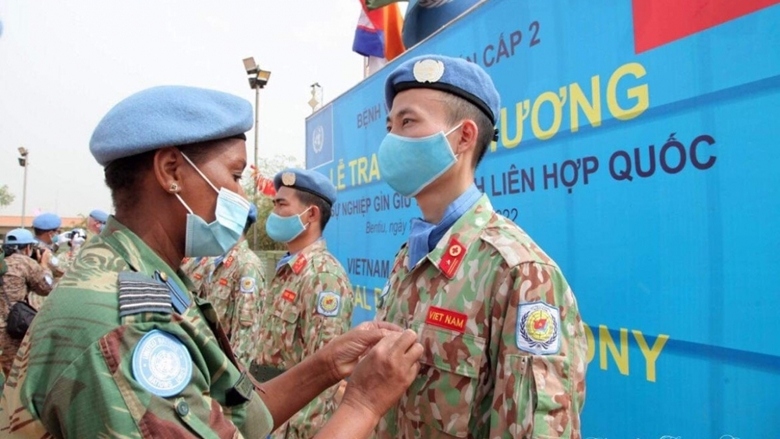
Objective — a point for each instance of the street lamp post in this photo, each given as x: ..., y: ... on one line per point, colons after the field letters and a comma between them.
x: 258, y: 79
x: 24, y: 162
x: 315, y: 102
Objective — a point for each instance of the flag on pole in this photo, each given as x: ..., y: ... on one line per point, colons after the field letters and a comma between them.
x: 424, y: 17
x: 378, y: 32
x: 263, y: 184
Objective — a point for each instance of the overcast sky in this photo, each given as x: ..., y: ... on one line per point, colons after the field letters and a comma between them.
x: 64, y: 64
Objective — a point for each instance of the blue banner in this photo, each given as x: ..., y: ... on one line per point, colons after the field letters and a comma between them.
x: 643, y: 159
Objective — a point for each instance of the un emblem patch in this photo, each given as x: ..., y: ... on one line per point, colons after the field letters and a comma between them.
x: 161, y: 364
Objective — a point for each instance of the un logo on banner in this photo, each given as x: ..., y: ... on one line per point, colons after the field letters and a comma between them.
x: 319, y: 138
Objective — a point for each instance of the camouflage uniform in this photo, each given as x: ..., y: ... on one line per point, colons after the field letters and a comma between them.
x: 74, y: 374
x: 197, y: 270
x: 504, y: 343
x: 55, y: 267
x: 294, y: 327
x: 67, y: 258
x: 233, y: 288
x: 24, y: 276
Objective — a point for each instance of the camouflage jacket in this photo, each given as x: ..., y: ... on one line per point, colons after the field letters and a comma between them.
x: 121, y: 350
x: 197, y: 270
x: 66, y: 258
x: 309, y: 302
x: 233, y: 287
x: 24, y: 277
x: 504, y: 342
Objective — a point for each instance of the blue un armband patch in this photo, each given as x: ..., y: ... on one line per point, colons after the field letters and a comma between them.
x: 162, y: 364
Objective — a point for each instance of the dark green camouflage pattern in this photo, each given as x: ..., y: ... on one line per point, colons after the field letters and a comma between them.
x: 73, y: 378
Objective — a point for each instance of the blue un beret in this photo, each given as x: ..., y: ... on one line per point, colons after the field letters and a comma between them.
x: 19, y: 237
x: 168, y: 116
x: 453, y: 75
x: 99, y: 215
x: 47, y: 221
x: 309, y: 181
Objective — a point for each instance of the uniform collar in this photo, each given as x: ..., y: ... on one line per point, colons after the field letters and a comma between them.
x: 232, y: 252
x: 139, y: 256
x: 425, y: 236
x: 298, y: 260
x: 465, y: 231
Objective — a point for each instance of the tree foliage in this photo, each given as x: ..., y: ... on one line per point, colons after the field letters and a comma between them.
x: 6, y: 197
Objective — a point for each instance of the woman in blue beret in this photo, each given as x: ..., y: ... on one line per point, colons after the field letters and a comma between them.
x: 123, y: 349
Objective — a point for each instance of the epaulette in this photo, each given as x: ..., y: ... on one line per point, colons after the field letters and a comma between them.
x: 513, y: 244
x: 139, y: 293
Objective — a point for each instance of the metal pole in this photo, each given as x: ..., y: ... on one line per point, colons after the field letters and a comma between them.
x: 257, y: 121
x: 257, y: 129
x: 24, y: 187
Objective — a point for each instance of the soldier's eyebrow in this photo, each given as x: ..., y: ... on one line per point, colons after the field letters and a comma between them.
x: 408, y: 111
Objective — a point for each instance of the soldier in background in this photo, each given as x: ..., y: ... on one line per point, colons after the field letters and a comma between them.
x: 233, y: 283
x: 23, y: 276
x: 96, y: 220
x: 47, y: 232
x: 72, y: 243
x: 309, y: 300
x: 504, y: 342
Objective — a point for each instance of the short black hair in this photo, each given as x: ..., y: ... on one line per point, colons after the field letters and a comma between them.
x: 309, y: 199
x: 460, y: 109
x: 123, y: 176
x: 9, y: 249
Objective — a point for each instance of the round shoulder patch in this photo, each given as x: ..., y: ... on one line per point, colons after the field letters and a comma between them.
x: 161, y: 363
x: 328, y: 303
x: 248, y: 285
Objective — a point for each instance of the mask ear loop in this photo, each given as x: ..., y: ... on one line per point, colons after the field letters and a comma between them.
x: 199, y: 172
x: 305, y: 226
x: 457, y: 156
x: 184, y: 204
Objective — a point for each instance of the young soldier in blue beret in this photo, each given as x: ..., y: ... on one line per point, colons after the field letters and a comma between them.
x: 309, y: 299
x: 126, y: 350
x: 504, y: 342
x: 46, y: 227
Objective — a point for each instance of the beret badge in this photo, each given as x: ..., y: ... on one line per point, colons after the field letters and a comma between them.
x: 288, y: 178
x: 428, y: 70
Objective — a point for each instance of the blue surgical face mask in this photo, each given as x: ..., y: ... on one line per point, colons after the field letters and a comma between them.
x: 409, y: 164
x: 219, y: 236
x: 285, y: 228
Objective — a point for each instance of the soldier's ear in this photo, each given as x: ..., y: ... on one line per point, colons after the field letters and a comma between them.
x: 167, y: 165
x: 314, y: 214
